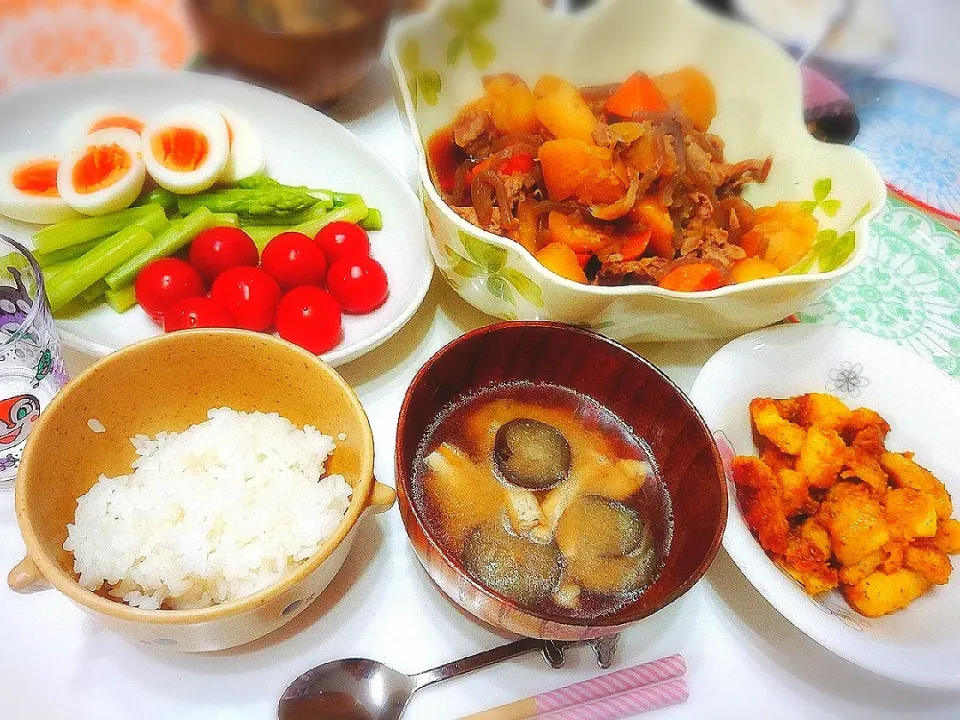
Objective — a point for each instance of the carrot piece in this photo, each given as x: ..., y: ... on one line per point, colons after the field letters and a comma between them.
x: 519, y: 163
x: 562, y: 260
x: 693, y: 277
x: 638, y: 93
x: 753, y: 268
x: 635, y: 244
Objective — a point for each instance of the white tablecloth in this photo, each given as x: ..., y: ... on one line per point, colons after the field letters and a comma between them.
x: 744, y: 659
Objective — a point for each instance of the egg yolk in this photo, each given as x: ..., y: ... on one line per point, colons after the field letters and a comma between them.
x: 180, y: 149
x: 39, y: 178
x: 100, y: 167
x: 117, y: 121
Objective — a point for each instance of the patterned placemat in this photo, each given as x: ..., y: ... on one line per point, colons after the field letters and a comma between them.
x: 907, y: 290
x: 912, y: 134
x: 46, y: 38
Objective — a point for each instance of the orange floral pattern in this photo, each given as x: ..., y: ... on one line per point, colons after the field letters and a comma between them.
x: 46, y: 38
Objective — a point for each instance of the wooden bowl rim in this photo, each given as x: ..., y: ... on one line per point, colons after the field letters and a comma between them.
x: 65, y: 582
x: 408, y: 509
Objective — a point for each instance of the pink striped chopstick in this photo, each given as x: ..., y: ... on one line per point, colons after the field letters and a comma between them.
x: 625, y: 704
x: 605, y: 686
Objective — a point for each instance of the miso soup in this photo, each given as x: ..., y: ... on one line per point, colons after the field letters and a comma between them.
x: 545, y: 497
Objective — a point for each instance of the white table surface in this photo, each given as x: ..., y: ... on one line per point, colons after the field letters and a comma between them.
x: 744, y: 659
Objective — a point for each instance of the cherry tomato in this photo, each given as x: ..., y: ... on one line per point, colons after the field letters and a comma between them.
x: 196, y: 312
x: 341, y: 239
x: 249, y: 295
x: 218, y: 249
x: 293, y: 259
x: 163, y: 282
x: 309, y: 317
x: 359, y: 283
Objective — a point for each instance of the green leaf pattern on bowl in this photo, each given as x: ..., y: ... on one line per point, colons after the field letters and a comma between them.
x: 907, y: 290
x: 420, y: 81
x: 468, y: 21
x: 830, y: 248
x: 481, y: 260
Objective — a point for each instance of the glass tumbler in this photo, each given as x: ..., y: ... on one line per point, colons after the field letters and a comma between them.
x: 31, y: 365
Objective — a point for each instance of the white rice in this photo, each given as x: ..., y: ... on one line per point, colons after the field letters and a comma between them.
x: 212, y: 514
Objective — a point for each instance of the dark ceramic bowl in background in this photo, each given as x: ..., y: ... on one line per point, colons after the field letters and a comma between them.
x: 298, y: 53
x: 639, y: 393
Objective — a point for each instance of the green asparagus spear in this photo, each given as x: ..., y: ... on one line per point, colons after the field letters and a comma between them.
x: 158, y: 196
x: 373, y: 220
x: 45, y: 260
x: 122, y: 299
x: 85, y: 271
x: 177, y: 235
x: 278, y: 203
x: 351, y: 212
x: 74, y: 232
x: 225, y: 220
x: 94, y: 292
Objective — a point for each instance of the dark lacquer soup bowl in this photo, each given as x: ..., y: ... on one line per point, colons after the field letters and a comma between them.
x: 655, y: 410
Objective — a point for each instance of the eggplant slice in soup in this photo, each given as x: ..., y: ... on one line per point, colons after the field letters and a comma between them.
x: 512, y: 566
x: 531, y: 454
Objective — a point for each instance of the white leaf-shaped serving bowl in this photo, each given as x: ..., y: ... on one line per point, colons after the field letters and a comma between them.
x: 439, y: 58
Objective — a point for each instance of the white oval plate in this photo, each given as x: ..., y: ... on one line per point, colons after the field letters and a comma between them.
x: 303, y: 147
x: 918, y: 645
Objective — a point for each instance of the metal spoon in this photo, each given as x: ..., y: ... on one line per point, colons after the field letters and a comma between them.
x: 358, y: 689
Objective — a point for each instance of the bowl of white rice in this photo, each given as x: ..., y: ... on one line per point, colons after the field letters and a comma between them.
x: 198, y: 490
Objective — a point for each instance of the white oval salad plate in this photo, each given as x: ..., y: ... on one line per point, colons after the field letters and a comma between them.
x: 920, y: 644
x: 302, y: 147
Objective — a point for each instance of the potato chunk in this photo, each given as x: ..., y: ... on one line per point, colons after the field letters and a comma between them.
x: 854, y: 519
x: 904, y: 472
x: 930, y: 562
x: 881, y: 594
x: 910, y: 513
x: 821, y: 456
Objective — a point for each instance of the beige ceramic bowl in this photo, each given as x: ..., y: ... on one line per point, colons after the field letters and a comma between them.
x: 440, y: 57
x: 169, y: 383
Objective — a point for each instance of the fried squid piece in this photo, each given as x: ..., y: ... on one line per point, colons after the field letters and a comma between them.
x: 865, y: 429
x: 948, y: 536
x: 904, y: 472
x: 860, y: 465
x: 761, y: 503
x: 807, y: 558
x: 771, y: 424
x: 855, y: 521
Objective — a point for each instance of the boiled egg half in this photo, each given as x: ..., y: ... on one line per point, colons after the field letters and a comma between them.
x: 28, y: 189
x: 186, y: 148
x: 92, y: 119
x: 246, y: 156
x: 103, y: 173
